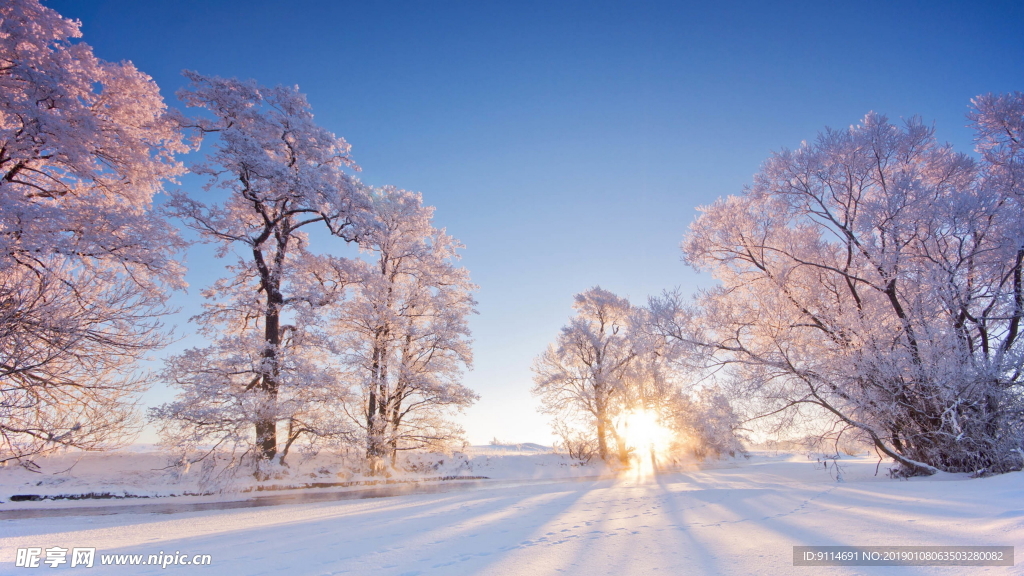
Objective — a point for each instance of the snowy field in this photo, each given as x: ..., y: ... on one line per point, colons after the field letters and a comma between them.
x: 739, y: 516
x: 141, y: 473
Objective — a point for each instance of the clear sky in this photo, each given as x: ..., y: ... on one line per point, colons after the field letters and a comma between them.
x: 567, y: 144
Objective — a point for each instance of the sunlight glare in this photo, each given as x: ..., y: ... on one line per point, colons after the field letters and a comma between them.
x: 648, y: 439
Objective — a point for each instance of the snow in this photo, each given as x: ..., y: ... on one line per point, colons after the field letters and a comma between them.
x: 143, y: 472
x: 740, y: 516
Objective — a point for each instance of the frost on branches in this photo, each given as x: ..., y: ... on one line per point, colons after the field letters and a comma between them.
x: 264, y: 375
x: 220, y: 403
x: 402, y: 334
x: 84, y: 262
x: 706, y: 423
x: 875, y: 275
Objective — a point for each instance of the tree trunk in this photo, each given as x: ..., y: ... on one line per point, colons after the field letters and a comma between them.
x: 602, y: 444
x: 270, y: 370
x: 395, y: 418
x: 376, y: 415
x: 620, y: 444
x: 266, y: 423
x: 602, y: 429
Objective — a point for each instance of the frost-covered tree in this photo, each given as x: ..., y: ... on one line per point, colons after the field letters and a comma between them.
x: 705, y: 423
x: 612, y: 369
x: 218, y: 404
x: 402, y: 333
x: 84, y: 261
x: 584, y: 376
x: 282, y: 174
x: 998, y: 120
x: 875, y: 275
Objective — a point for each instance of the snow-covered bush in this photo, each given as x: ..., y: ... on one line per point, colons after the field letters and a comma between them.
x: 578, y: 444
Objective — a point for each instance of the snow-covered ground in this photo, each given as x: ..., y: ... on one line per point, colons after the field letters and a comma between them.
x: 141, y: 473
x: 739, y: 516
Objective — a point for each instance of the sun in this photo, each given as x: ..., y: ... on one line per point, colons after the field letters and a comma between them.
x: 648, y: 439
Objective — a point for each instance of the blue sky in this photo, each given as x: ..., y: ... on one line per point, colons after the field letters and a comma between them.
x: 567, y: 144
